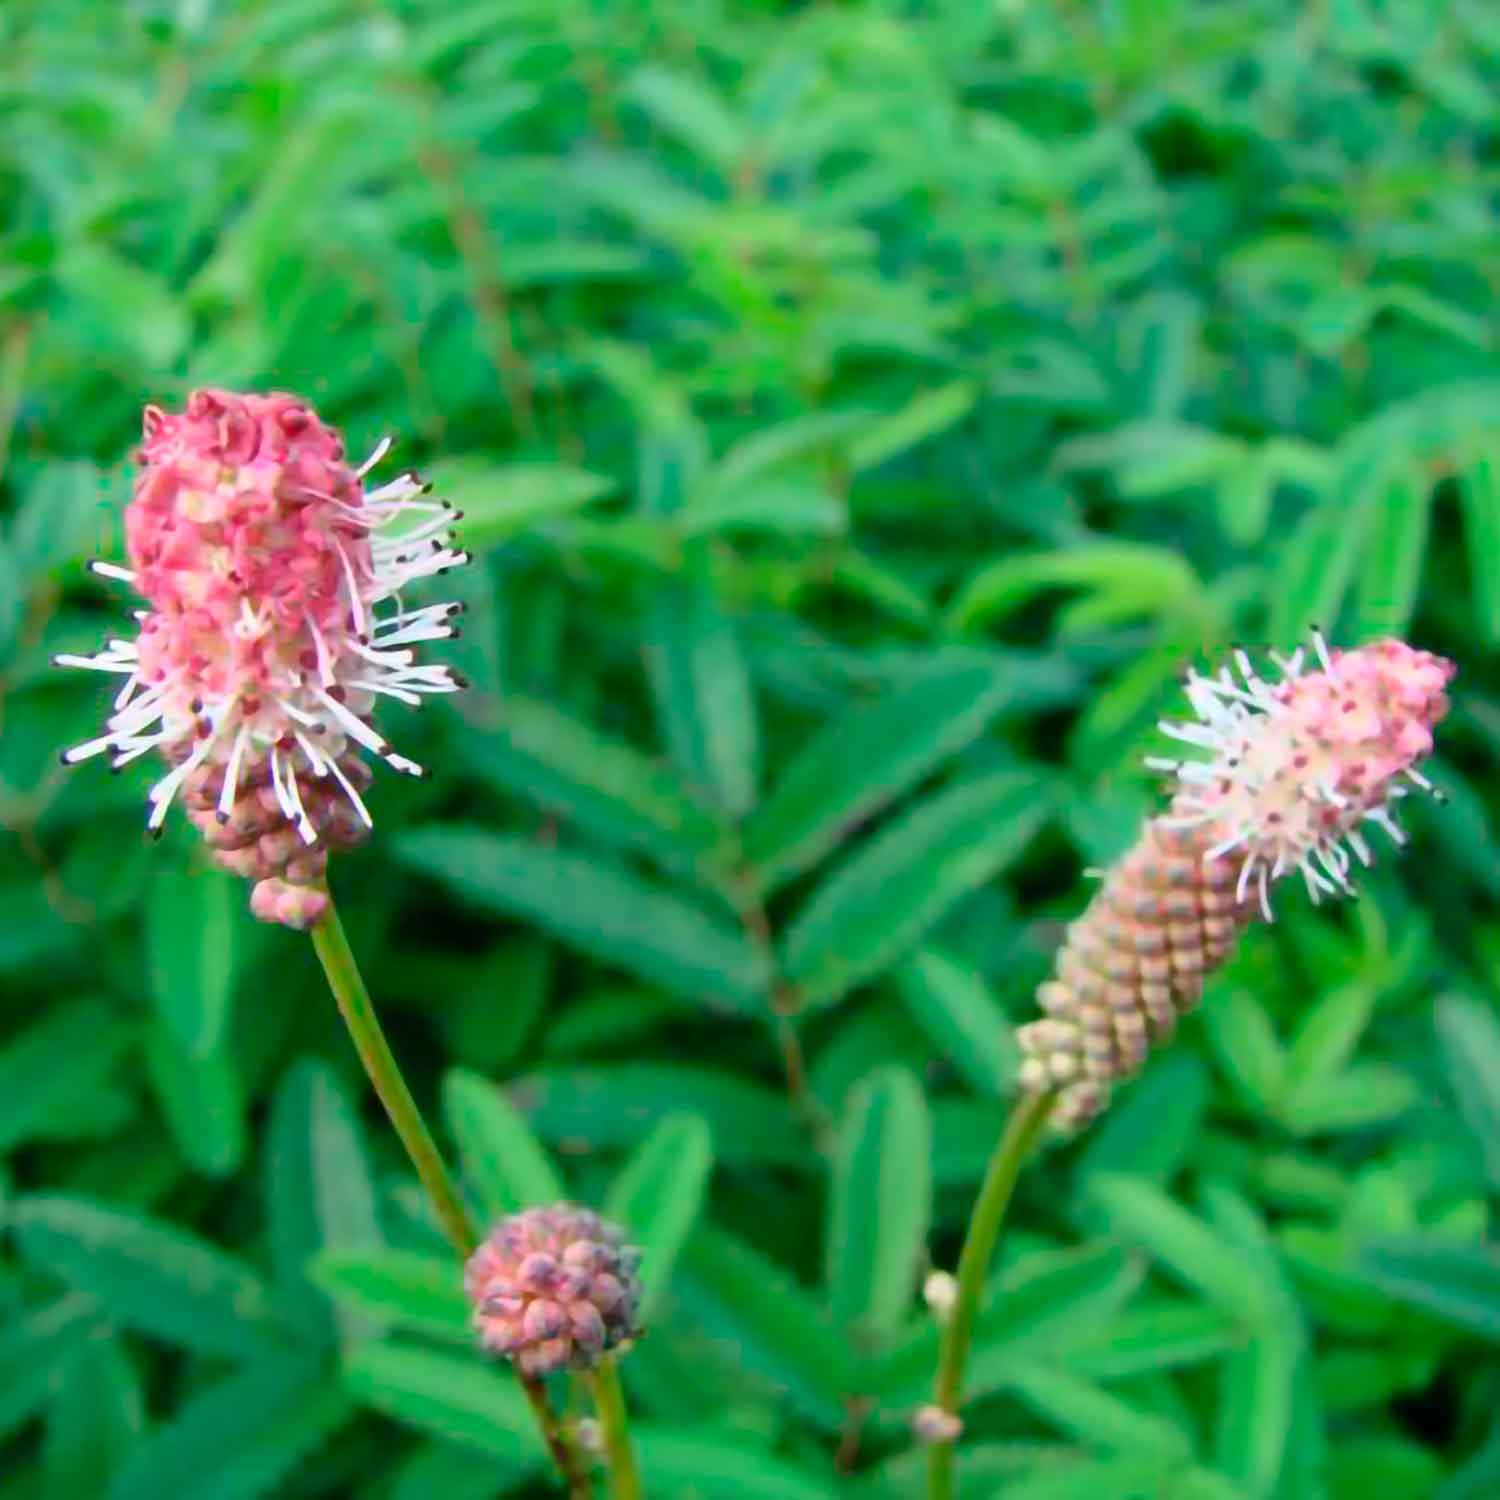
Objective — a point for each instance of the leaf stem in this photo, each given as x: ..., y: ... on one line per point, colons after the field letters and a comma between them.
x: 384, y: 1073
x: 1020, y: 1133
x: 609, y: 1402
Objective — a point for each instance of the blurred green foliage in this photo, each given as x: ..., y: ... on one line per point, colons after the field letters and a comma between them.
x: 863, y: 412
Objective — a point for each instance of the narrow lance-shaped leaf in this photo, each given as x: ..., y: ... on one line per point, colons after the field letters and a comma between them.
x: 658, y: 1196
x: 886, y: 894
x: 507, y: 1166
x: 192, y: 925
x: 881, y: 1203
x: 603, y: 910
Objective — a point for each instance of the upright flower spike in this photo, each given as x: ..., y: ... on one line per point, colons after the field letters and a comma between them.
x: 1286, y: 776
x: 274, y: 622
x: 554, y: 1288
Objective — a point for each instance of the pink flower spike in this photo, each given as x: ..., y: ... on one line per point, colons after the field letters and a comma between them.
x: 273, y: 580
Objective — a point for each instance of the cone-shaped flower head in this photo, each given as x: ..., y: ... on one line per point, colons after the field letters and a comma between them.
x: 554, y: 1287
x: 272, y: 580
x: 1286, y: 777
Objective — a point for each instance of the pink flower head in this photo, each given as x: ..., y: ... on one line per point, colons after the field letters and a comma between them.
x: 1295, y: 768
x: 274, y: 621
x: 554, y: 1287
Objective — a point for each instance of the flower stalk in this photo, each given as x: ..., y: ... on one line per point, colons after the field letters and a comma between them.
x: 609, y: 1403
x: 1020, y: 1135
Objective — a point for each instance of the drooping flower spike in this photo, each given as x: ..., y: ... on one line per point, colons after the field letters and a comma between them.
x: 273, y: 582
x: 1289, y: 772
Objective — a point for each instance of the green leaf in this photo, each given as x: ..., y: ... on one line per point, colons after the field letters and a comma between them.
x: 889, y: 891
x: 658, y: 1195
x: 319, y: 1190
x: 1363, y: 1094
x: 452, y: 1396
x: 95, y: 1420
x: 399, y: 1289
x: 239, y: 1439
x: 55, y: 1065
x: 704, y: 700
x: 35, y: 1349
x: 619, y: 1104
x: 193, y: 919
x: 509, y: 1170
x: 686, y: 108
x: 694, y: 1464
x: 881, y: 1203
x: 202, y: 1100
x: 1479, y: 494
x: 1469, y: 1035
x: 1455, y: 1282
x: 867, y: 758
x: 1395, y: 547
x: 923, y: 417
x: 954, y: 1006
x: 1185, y: 1247
x: 500, y: 500
x: 601, y: 909
x: 152, y: 1277
x: 770, y: 1327
x: 1153, y: 1127
x: 1329, y: 1032
x: 604, y: 785
x: 1090, y: 1415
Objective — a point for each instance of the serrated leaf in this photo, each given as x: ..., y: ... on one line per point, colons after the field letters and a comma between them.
x: 865, y: 759
x: 883, y: 896
x: 508, y: 1168
x: 499, y: 501
x: 95, y: 1420
x: 55, y: 1064
x: 772, y: 1328
x: 319, y: 1190
x: 1469, y: 1035
x: 239, y: 1439
x: 705, y: 703
x: 694, y: 1464
x: 606, y: 786
x: 1182, y: 1244
x: 201, y: 1099
x: 658, y: 1195
x: 954, y: 1006
x: 881, y: 1203
x: 619, y: 1104
x: 1456, y: 1282
x: 402, y: 1289
x: 454, y: 1397
x: 151, y: 1276
x: 602, y: 909
x: 192, y: 923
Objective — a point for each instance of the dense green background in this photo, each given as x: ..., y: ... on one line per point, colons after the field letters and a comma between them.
x: 863, y: 413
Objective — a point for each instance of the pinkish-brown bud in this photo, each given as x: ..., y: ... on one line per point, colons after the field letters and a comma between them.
x: 554, y: 1287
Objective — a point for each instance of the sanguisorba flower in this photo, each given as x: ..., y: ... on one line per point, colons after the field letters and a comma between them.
x: 1284, y: 778
x: 274, y: 621
x: 554, y: 1288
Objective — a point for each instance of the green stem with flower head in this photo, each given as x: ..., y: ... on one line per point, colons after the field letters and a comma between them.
x: 1015, y: 1143
x: 384, y: 1073
x: 609, y: 1403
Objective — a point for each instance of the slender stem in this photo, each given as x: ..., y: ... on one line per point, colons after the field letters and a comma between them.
x: 384, y: 1073
x: 354, y: 1004
x: 569, y: 1463
x: 1021, y: 1130
x: 609, y: 1402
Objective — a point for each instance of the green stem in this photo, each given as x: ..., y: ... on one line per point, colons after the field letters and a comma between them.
x: 609, y: 1402
x: 1021, y: 1130
x: 354, y: 1003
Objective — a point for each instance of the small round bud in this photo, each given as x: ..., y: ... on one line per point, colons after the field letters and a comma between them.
x: 931, y: 1424
x: 940, y: 1292
x: 554, y: 1287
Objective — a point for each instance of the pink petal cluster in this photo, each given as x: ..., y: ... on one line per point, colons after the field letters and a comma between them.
x: 1287, y: 776
x: 274, y: 622
x: 554, y: 1287
x: 1295, y: 768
